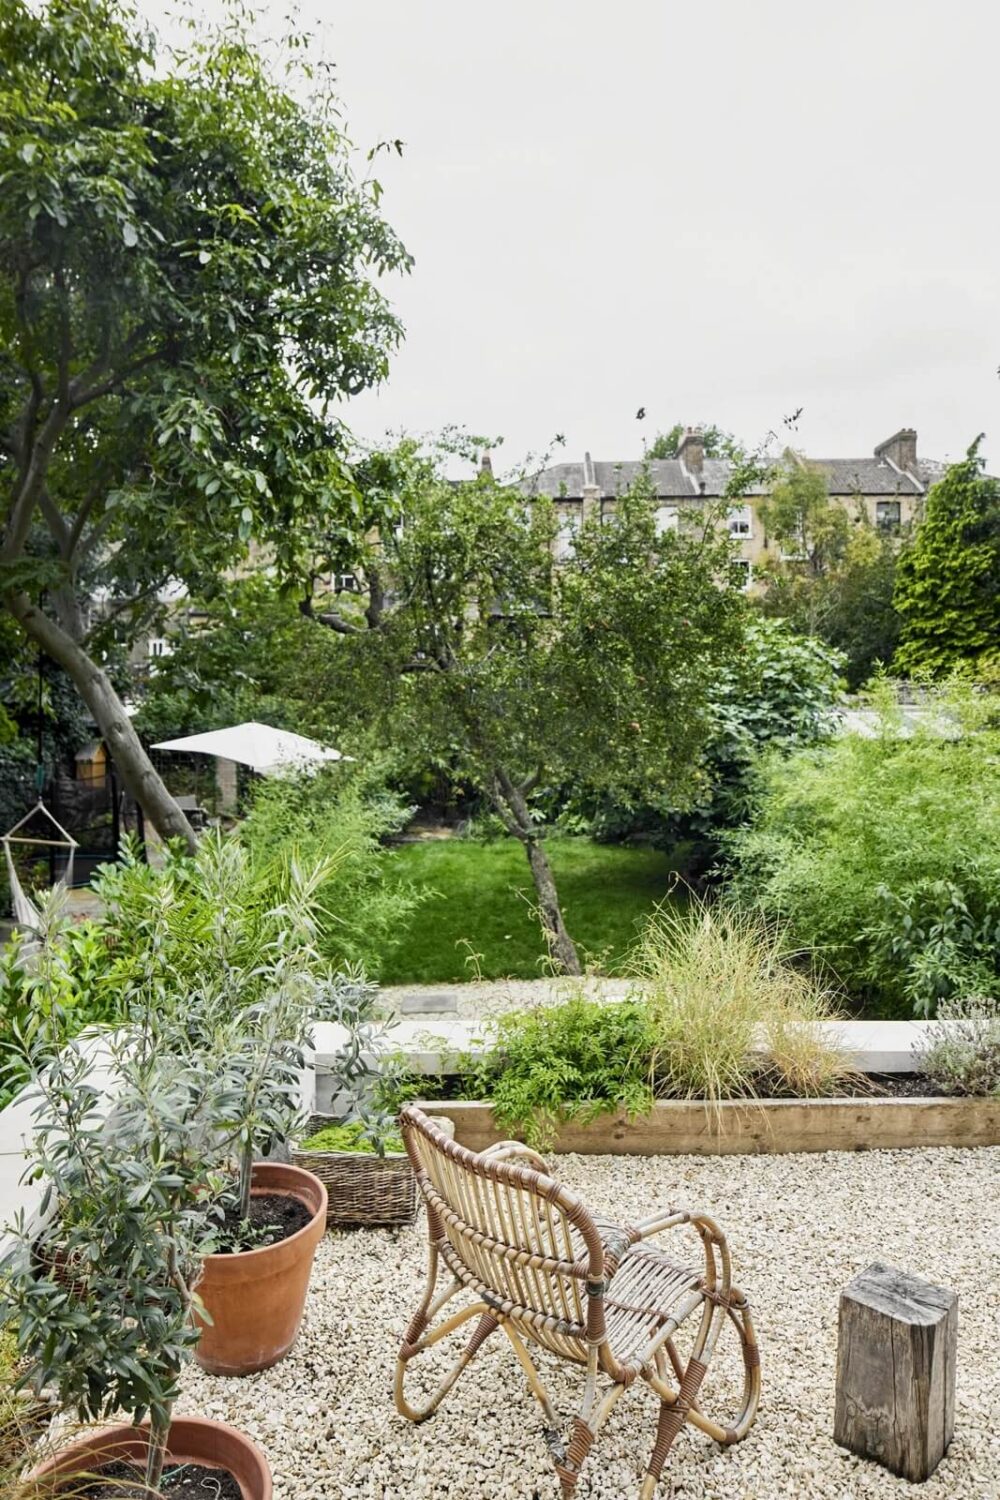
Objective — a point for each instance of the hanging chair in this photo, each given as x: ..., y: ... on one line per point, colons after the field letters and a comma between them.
x: 26, y: 913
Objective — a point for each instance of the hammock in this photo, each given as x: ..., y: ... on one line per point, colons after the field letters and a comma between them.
x: 26, y: 913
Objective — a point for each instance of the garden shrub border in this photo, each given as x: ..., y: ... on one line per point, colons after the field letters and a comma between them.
x: 737, y: 1127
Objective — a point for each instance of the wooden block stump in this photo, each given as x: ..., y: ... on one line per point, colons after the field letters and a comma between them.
x: 896, y: 1371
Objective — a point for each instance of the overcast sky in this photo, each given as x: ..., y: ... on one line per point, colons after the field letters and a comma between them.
x: 717, y: 210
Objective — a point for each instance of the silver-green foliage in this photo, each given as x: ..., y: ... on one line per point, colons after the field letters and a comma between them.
x: 962, y: 1051
x: 103, y: 1311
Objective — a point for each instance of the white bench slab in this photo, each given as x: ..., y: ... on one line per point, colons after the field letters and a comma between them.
x: 436, y: 1044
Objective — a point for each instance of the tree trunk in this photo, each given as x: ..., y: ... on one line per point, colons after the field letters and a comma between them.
x: 561, y: 946
x: 156, y: 1453
x: 95, y: 689
x: 511, y: 803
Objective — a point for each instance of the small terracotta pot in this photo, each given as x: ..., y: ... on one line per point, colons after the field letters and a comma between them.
x: 192, y: 1440
x: 255, y: 1299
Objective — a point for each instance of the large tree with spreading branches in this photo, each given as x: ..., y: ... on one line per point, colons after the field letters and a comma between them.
x: 188, y: 280
x: 478, y: 644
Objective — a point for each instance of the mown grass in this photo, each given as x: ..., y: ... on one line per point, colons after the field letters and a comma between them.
x: 480, y: 921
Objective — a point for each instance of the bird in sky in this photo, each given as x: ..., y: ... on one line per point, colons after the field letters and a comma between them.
x: 640, y: 414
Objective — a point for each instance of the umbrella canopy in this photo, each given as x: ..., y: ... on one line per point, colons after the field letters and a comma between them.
x: 266, y: 750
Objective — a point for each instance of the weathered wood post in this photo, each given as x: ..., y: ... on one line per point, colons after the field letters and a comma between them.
x: 896, y: 1371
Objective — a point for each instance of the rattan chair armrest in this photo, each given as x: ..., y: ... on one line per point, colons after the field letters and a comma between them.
x: 505, y: 1150
x: 718, y: 1269
x: 658, y: 1223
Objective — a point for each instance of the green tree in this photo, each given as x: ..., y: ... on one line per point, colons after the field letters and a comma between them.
x: 188, y: 280
x: 831, y: 573
x: 849, y: 605
x: 780, y: 691
x: 718, y: 443
x: 519, y: 672
x: 248, y: 652
x: 948, y: 585
x: 810, y: 532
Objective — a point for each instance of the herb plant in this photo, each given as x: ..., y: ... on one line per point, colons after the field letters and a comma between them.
x: 962, y: 1052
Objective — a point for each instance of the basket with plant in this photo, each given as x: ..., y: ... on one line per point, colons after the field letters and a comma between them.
x: 357, y: 1152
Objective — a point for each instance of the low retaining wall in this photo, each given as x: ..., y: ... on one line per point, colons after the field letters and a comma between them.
x: 739, y: 1127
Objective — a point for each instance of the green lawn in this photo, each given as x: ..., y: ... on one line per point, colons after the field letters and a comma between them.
x: 483, y: 905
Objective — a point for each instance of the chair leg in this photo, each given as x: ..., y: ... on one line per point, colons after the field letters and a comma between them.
x: 569, y: 1468
x: 736, y: 1428
x: 586, y: 1426
x: 486, y: 1325
x: 673, y: 1415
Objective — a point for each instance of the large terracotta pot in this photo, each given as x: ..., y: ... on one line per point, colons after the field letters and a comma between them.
x: 255, y: 1299
x: 192, y: 1440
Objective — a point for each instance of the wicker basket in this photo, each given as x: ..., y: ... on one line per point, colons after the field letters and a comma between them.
x: 362, y: 1188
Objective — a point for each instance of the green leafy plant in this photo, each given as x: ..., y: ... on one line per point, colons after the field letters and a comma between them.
x: 342, y: 817
x: 190, y: 277
x: 350, y: 1136
x: 572, y: 1061
x: 961, y: 1052
x: 52, y: 977
x: 948, y: 583
x: 881, y: 856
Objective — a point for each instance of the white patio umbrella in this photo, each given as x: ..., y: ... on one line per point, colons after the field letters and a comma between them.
x: 265, y: 750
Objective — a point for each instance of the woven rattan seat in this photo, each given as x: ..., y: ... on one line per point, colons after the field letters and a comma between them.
x: 540, y: 1267
x: 642, y: 1296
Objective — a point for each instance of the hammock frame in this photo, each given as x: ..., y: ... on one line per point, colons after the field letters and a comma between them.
x: 26, y: 913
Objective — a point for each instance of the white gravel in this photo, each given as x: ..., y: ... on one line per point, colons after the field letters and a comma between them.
x: 800, y: 1228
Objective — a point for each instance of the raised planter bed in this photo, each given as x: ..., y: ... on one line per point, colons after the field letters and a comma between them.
x: 770, y: 1127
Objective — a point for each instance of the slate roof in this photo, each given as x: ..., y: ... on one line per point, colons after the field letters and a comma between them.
x: 867, y: 476
x: 672, y: 481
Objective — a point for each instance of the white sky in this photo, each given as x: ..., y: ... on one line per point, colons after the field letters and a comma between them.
x: 716, y: 209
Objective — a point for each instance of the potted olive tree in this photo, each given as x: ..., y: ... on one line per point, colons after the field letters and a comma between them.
x: 235, y: 1003
x: 104, y: 1307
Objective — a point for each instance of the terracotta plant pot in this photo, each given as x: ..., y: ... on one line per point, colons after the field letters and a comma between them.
x: 192, y: 1440
x: 255, y: 1299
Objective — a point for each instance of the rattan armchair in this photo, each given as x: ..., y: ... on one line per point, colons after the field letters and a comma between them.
x: 543, y: 1269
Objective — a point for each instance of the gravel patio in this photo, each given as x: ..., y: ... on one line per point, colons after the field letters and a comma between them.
x: 800, y: 1227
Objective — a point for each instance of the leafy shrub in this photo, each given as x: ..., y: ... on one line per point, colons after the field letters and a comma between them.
x: 963, y: 1057
x: 341, y: 816
x: 62, y: 978
x: 882, y: 857
x: 349, y: 1136
x: 729, y: 1012
x: 572, y: 1061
